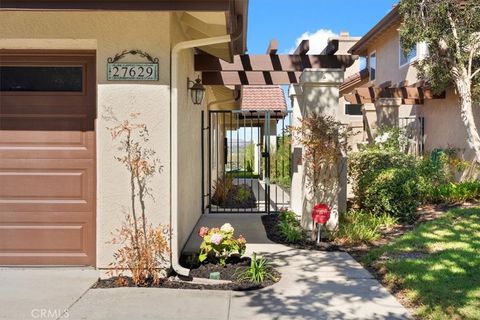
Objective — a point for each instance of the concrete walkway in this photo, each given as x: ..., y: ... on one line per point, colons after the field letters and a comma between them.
x: 314, y: 285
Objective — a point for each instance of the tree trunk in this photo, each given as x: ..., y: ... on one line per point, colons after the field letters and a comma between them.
x: 463, y: 86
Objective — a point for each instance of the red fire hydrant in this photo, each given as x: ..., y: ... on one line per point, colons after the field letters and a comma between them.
x: 320, y: 215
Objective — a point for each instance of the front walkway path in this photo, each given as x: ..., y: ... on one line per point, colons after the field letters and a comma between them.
x: 314, y: 285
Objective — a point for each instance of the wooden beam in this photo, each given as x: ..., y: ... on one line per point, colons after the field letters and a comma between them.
x: 250, y: 77
x: 331, y: 48
x: 303, y: 47
x: 272, y: 47
x: 245, y: 62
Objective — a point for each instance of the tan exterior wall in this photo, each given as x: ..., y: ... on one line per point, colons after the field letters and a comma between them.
x: 444, y: 127
x: 387, y: 50
x: 109, y: 33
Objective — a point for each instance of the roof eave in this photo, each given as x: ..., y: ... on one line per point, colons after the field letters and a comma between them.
x: 361, y: 47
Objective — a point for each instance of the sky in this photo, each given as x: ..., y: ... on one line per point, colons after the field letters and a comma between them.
x: 289, y: 21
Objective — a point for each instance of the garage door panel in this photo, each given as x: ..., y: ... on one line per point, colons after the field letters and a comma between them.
x: 47, y: 238
x: 47, y: 145
x: 47, y: 159
x: 66, y: 184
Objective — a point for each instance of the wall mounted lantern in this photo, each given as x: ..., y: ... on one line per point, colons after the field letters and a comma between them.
x: 197, y: 90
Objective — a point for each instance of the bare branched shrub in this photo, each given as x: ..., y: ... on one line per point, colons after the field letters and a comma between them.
x: 144, y: 247
x: 324, y: 142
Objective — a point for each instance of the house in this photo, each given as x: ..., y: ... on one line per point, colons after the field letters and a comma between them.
x: 62, y: 191
x: 71, y: 70
x: 432, y: 122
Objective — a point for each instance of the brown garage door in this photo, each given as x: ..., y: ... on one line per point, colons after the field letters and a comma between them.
x: 47, y: 158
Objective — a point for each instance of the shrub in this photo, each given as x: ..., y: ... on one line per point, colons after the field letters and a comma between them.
x: 394, y: 192
x: 220, y: 243
x: 455, y: 193
x: 144, y: 255
x: 258, y: 271
x: 366, y: 165
x: 291, y: 232
x: 361, y: 227
x: 222, y: 187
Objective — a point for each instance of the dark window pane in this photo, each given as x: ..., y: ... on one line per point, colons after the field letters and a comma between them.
x: 40, y: 78
x: 353, y: 109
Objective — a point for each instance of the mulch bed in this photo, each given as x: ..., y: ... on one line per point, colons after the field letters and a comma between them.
x: 270, y: 223
x: 228, y: 272
x: 238, y: 197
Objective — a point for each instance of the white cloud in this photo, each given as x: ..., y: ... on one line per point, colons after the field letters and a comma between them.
x: 318, y: 40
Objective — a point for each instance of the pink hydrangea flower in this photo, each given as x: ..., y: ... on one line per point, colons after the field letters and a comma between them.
x: 203, y: 231
x: 216, y: 238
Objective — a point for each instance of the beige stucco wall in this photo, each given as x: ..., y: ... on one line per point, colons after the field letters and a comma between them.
x: 444, y: 127
x: 387, y: 49
x: 109, y: 33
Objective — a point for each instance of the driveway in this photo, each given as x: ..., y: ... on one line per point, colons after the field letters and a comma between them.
x: 314, y: 285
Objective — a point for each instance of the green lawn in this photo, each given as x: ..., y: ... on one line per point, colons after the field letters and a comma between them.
x: 437, y: 265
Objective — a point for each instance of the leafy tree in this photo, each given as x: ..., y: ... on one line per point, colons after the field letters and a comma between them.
x: 451, y: 30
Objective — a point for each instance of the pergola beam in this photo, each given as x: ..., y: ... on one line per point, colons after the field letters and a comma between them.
x: 245, y: 62
x: 409, y: 94
x: 302, y: 48
x: 331, y: 48
x: 250, y: 77
x: 272, y: 47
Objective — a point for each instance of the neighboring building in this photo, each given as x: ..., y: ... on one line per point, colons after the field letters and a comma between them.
x: 431, y: 123
x: 62, y: 191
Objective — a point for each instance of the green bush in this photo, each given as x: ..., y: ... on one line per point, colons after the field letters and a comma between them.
x: 394, y: 192
x: 366, y: 165
x: 357, y: 227
x: 454, y: 192
x: 291, y: 232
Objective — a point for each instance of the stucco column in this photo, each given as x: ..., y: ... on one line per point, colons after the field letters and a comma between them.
x: 318, y: 92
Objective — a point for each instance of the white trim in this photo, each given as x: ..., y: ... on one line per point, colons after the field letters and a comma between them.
x: 369, y: 65
x: 400, y: 53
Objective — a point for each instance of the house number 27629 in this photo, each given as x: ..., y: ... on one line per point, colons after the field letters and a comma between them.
x: 132, y: 71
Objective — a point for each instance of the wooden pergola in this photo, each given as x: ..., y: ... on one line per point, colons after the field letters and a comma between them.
x: 415, y: 93
x: 270, y: 68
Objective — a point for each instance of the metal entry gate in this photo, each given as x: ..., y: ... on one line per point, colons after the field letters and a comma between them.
x: 249, y: 161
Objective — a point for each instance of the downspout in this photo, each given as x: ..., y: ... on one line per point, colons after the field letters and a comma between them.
x: 174, y: 246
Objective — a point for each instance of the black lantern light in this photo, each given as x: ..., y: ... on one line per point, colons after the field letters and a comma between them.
x: 197, y: 90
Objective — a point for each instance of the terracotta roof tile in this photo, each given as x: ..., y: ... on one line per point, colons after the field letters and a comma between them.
x: 263, y: 98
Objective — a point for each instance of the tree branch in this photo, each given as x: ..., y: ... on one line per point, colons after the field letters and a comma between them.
x: 475, y: 73
x: 453, y: 25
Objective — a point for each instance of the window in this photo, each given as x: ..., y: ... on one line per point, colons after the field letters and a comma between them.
x: 353, y: 109
x: 372, y: 65
x: 407, y: 58
x: 28, y: 78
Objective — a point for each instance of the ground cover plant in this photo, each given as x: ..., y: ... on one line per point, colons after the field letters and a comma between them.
x: 434, y: 268
x: 357, y: 227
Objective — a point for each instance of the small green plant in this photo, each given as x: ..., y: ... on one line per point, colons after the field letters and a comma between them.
x: 455, y: 192
x: 292, y: 233
x: 288, y: 216
x: 242, y: 194
x: 220, y: 243
x: 357, y: 227
x: 258, y: 271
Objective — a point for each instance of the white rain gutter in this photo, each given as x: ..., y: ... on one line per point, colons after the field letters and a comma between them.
x: 174, y: 247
